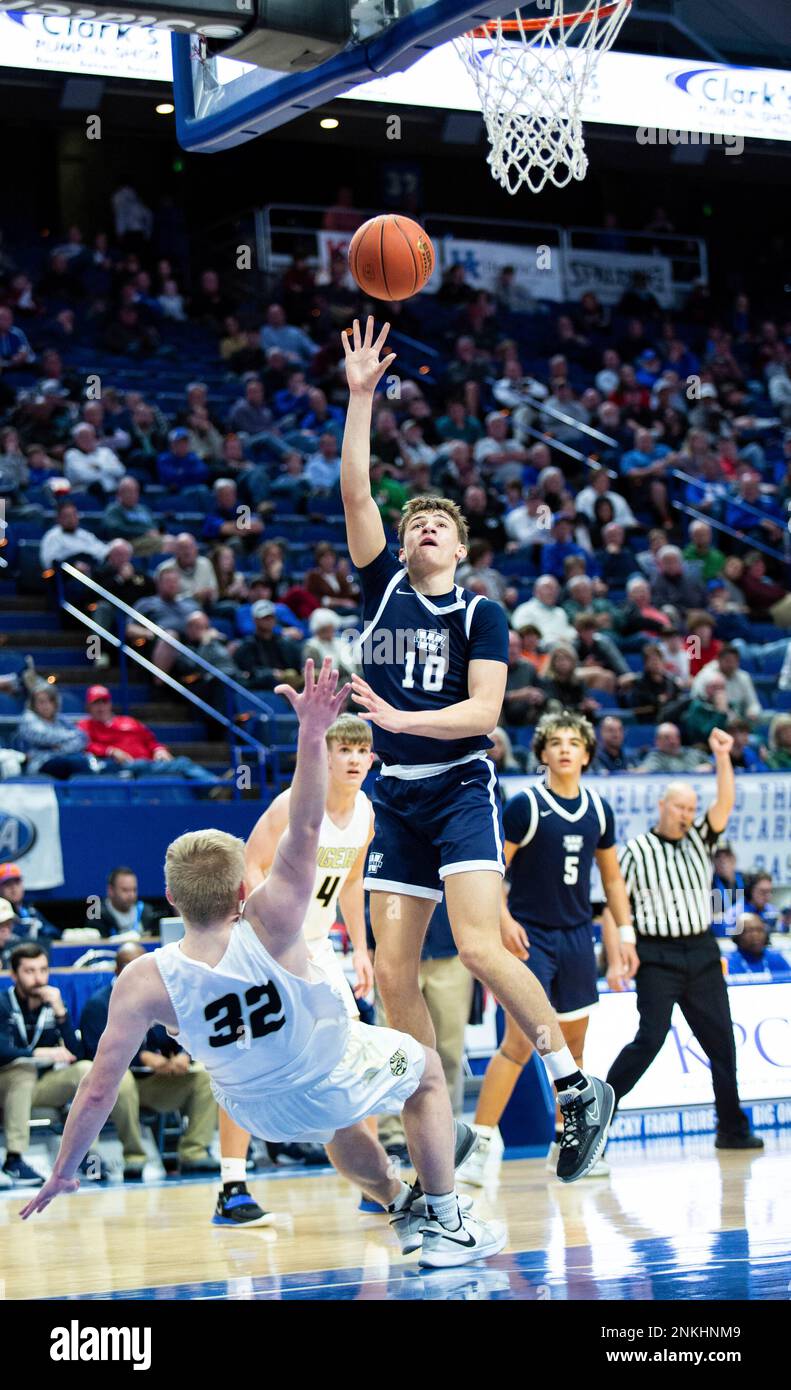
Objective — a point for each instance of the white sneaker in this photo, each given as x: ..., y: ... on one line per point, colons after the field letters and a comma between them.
x: 600, y: 1169
x: 474, y: 1240
x: 485, y: 1159
x: 409, y: 1222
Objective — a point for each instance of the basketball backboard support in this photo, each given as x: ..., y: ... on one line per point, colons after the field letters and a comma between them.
x: 221, y: 102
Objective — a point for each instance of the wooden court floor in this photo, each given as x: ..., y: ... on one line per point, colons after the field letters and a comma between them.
x: 672, y: 1221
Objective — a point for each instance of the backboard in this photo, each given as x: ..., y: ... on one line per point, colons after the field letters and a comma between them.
x: 222, y: 100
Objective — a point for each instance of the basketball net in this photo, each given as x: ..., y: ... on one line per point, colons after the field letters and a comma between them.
x: 530, y: 75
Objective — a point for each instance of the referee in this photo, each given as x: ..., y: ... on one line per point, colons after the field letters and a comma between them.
x: 675, y: 956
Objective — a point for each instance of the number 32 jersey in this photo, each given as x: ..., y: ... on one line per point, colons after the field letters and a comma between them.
x: 250, y: 1021
x: 416, y: 654
x: 551, y: 870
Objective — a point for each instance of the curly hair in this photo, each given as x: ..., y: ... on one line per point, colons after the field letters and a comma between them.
x: 550, y: 724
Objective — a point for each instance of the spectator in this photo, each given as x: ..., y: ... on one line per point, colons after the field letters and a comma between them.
x: 39, y: 1066
x: 599, y: 662
x: 778, y: 755
x: 326, y: 641
x: 67, y: 540
x: 10, y: 936
x: 389, y: 493
x: 744, y: 757
x: 560, y: 546
x: 15, y: 350
x: 742, y: 698
x: 265, y: 660
x: 768, y: 601
x: 119, y: 577
x: 122, y: 911
x: 195, y: 572
x: 14, y: 471
x: 752, y: 955
x: 478, y: 574
x: 500, y: 457
x: 293, y: 342
x: 639, y: 616
x: 700, y: 555
x: 752, y: 512
x: 654, y: 690
x: 668, y: 755
x: 323, y: 469
x: 706, y: 711
x: 166, y: 608
x: 343, y: 216
x: 543, y: 611
x: 203, y: 639
x: 131, y: 746
x: 615, y: 563
x: 758, y: 899
x: 53, y: 746
x: 502, y: 754
x: 457, y: 424
x: 231, y: 584
x: 128, y: 519
x: 165, y: 1077
x: 528, y: 523
x: 647, y: 559
x: 33, y: 925
x: 563, y: 689
x: 454, y: 288
x: 483, y: 520
x: 531, y: 638
x: 644, y: 469
x: 674, y: 585
x: 330, y: 582
x: 610, y: 757
x: 179, y: 468
x: 250, y: 414
x: 523, y: 699
x: 703, y: 646
x: 148, y: 437
x: 727, y: 890
x: 599, y: 487
x: 230, y: 522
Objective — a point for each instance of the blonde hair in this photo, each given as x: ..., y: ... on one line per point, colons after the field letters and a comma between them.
x: 349, y: 729
x: 204, y: 871
x: 433, y: 504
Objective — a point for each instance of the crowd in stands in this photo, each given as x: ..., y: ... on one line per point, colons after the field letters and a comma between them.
x: 643, y: 567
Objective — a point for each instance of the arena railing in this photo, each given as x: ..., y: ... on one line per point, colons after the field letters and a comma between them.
x: 281, y: 227
x: 751, y: 542
x: 238, y: 737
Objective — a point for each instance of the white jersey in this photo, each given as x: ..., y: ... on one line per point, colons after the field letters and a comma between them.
x: 338, y: 849
x: 254, y: 1025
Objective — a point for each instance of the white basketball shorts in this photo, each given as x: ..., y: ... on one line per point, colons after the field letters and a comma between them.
x: 377, y: 1074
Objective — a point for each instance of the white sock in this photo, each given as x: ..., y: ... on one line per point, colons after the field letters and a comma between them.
x: 560, y: 1063
x: 399, y: 1202
x: 485, y: 1131
x: 233, y: 1169
x: 444, y: 1209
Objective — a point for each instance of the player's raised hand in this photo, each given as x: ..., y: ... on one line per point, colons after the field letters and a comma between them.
x: 320, y: 702
x: 720, y: 742
x: 53, y: 1187
x: 363, y: 367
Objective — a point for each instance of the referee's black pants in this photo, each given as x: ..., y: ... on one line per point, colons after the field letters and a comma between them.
x: 686, y: 971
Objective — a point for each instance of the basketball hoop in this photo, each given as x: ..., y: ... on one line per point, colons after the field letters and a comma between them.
x: 530, y: 75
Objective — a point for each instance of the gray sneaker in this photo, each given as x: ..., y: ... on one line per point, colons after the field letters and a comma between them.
x: 587, y: 1115
x: 474, y: 1240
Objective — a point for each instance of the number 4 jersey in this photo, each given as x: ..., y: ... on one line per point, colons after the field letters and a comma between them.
x: 416, y: 654
x: 551, y: 870
x: 250, y: 1021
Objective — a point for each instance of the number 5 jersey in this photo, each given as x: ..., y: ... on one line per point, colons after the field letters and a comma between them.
x: 551, y: 870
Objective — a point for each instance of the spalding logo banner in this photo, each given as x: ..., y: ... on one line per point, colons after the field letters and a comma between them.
x: 30, y: 833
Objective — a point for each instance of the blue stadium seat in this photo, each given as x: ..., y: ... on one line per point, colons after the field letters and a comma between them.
x: 638, y: 736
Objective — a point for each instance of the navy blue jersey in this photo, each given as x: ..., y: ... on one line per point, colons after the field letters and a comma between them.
x: 416, y: 654
x: 551, y: 871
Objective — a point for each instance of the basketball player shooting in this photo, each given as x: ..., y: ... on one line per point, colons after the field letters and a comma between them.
x: 286, y: 1060
x: 434, y: 659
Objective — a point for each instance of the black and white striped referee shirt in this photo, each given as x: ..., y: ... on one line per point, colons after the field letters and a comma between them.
x: 669, y: 881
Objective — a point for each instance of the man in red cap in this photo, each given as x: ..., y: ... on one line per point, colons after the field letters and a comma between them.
x: 32, y: 926
x: 132, y: 745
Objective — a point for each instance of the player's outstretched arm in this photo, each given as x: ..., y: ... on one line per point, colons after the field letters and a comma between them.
x: 363, y: 371
x: 277, y: 908
x: 466, y: 719
x: 132, y: 1012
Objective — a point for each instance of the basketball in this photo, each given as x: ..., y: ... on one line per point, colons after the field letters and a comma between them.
x: 391, y: 257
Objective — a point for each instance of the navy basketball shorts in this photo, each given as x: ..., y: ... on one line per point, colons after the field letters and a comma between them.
x: 564, y: 962
x: 430, y: 827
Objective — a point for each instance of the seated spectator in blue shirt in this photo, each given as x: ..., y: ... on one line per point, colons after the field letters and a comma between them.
x: 744, y: 756
x: 179, y: 468
x: 610, y: 756
x: 759, y: 900
x: 15, y: 350
x: 229, y: 522
x: 294, y: 342
x: 752, y: 955
x: 321, y: 417
x: 323, y: 469
x: 642, y: 460
x: 727, y: 892
x: 292, y: 400
x: 33, y: 925
x: 709, y: 490
x: 287, y: 624
x: 751, y: 512
x: 457, y: 424
x: 562, y: 544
